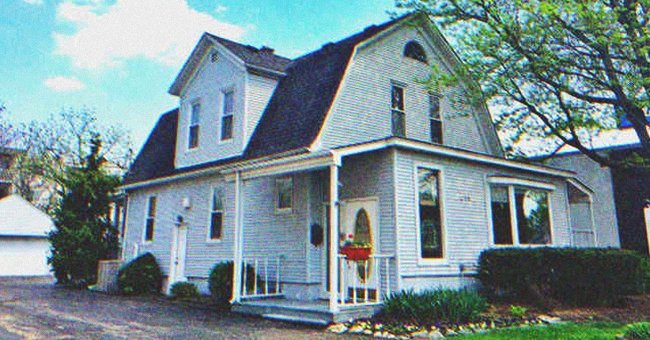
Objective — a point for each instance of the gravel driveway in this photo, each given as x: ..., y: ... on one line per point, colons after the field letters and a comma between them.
x: 36, y: 309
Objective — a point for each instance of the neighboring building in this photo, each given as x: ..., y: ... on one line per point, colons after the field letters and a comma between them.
x: 7, y: 159
x: 249, y: 168
x: 24, y: 246
x: 620, y: 194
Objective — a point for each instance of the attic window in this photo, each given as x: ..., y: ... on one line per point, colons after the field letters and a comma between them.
x: 214, y: 57
x: 415, y: 51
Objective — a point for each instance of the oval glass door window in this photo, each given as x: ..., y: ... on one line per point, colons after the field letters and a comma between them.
x: 362, y: 233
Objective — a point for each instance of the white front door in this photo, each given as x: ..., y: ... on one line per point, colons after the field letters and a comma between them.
x: 179, y: 245
x: 360, y: 217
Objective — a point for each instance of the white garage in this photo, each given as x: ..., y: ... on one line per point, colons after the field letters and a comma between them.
x: 24, y: 247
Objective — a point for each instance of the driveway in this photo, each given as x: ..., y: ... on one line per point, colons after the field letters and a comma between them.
x: 36, y: 309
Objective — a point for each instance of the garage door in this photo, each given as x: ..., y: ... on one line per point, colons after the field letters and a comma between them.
x: 24, y: 257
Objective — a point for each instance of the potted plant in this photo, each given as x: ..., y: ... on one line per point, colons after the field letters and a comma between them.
x: 355, y: 250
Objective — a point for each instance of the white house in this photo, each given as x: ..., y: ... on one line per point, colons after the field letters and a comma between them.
x: 24, y: 246
x: 271, y: 162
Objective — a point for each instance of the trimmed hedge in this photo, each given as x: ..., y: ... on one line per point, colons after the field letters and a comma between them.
x: 140, y: 276
x: 434, y: 306
x: 574, y: 276
x: 220, y: 281
x: 184, y: 291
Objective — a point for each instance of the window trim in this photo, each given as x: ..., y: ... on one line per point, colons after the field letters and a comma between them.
x: 208, y: 238
x: 222, y: 115
x: 439, y: 119
x: 444, y: 260
x: 189, y: 126
x: 512, y: 183
x: 276, y: 193
x: 402, y: 86
x: 146, y: 219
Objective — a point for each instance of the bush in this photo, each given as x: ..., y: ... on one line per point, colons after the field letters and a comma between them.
x: 140, y: 276
x: 184, y: 290
x: 518, y: 311
x: 428, y: 307
x: 220, y: 281
x: 574, y: 276
x: 637, y: 331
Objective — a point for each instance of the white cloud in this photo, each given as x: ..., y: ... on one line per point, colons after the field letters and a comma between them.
x: 220, y: 9
x: 64, y: 84
x: 34, y: 2
x: 108, y: 35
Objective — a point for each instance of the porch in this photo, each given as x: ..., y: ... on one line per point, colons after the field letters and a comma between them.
x: 288, y: 263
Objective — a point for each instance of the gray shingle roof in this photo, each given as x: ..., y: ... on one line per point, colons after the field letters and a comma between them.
x: 291, y: 120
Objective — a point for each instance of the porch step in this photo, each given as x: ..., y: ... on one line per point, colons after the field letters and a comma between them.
x: 289, y: 318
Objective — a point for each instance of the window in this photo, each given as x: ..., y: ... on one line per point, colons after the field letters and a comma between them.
x: 397, y: 111
x: 530, y: 224
x: 227, y: 116
x: 415, y: 51
x: 435, y: 120
x: 195, y: 116
x: 216, y: 215
x: 284, y: 194
x: 151, y: 219
x: 429, y: 213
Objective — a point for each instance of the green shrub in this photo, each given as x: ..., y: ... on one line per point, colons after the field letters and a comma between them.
x: 220, y: 281
x: 184, y: 290
x: 518, y: 311
x: 140, y: 276
x: 637, y: 331
x: 574, y: 276
x: 431, y: 306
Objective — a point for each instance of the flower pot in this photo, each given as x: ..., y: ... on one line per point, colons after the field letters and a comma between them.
x: 356, y: 253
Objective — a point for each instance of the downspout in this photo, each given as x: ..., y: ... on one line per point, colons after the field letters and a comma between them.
x: 238, y: 243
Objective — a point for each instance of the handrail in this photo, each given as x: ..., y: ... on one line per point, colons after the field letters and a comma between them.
x: 377, y: 268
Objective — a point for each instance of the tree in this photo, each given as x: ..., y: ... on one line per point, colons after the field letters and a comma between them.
x: 83, y: 233
x: 62, y: 141
x: 8, y: 132
x: 556, y: 70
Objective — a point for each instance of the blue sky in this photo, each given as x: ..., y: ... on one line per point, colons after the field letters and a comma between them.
x: 120, y: 56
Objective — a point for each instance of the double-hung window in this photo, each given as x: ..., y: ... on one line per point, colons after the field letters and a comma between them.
x: 227, y: 114
x: 520, y: 215
x: 398, y: 115
x: 150, y: 220
x: 216, y: 215
x: 284, y: 194
x: 435, y: 119
x: 429, y: 213
x: 195, y: 117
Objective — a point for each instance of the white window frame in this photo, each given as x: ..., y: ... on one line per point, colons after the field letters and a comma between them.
x: 511, y: 183
x: 444, y: 260
x: 439, y: 119
x: 146, y: 219
x: 402, y: 86
x: 190, y: 125
x: 208, y: 236
x: 225, y: 91
x: 276, y: 195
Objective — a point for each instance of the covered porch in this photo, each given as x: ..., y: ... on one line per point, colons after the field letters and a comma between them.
x: 288, y: 260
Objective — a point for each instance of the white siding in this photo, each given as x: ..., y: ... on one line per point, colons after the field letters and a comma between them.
x: 465, y: 210
x: 207, y: 87
x: 258, y: 93
x: 201, y: 254
x: 599, y: 179
x: 24, y: 256
x: 361, y: 111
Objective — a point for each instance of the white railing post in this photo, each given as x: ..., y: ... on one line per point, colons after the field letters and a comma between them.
x: 342, y: 283
x: 245, y: 283
x: 387, y: 261
x: 277, y: 276
x: 377, y: 264
x: 365, y: 280
x: 266, y: 275
x: 255, y: 271
x: 334, y: 235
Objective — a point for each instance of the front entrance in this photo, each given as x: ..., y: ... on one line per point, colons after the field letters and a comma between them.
x: 178, y: 251
x: 359, y: 218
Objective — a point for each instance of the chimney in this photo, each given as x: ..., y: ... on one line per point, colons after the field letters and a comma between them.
x: 266, y: 50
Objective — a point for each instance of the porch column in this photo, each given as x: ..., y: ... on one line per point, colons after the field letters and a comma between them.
x: 238, y: 242
x: 334, y: 238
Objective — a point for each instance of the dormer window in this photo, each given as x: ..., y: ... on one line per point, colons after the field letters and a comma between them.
x: 415, y: 51
x: 193, y: 135
x: 227, y: 115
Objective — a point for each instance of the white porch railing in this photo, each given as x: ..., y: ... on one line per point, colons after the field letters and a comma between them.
x: 261, y: 276
x: 353, y: 290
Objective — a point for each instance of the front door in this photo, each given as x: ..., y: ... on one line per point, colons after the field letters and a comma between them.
x: 179, y: 245
x: 359, y: 218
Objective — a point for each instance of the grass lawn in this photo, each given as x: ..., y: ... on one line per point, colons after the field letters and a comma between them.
x: 562, y: 331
